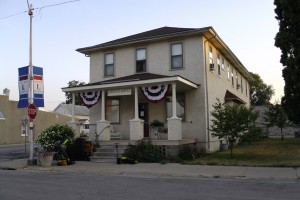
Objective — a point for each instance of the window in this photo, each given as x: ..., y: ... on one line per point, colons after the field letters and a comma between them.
x: 228, y: 71
x: 232, y: 78
x: 219, y: 64
x: 180, y: 106
x: 112, y: 110
x: 176, y: 56
x: 140, y: 60
x: 246, y: 88
x: 211, y: 57
x: 109, y: 64
x: 223, y: 64
x: 241, y: 84
x: 237, y: 80
x: 2, y: 117
x: 86, y: 126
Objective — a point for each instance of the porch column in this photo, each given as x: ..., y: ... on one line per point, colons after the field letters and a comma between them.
x: 174, y: 123
x: 72, y: 123
x: 103, y: 126
x: 136, y: 124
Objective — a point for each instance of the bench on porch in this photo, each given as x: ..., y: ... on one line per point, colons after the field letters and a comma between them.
x: 115, y: 135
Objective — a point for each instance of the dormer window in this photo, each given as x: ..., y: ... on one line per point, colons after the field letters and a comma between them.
x: 176, y: 56
x: 109, y: 64
x: 141, y: 60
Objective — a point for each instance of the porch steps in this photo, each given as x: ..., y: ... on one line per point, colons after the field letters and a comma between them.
x: 107, y: 153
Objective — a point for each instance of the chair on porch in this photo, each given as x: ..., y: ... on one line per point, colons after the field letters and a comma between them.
x: 115, y: 135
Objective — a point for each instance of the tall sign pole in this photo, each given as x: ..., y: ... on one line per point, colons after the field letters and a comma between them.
x: 31, y: 160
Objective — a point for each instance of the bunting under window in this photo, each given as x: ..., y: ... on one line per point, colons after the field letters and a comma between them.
x: 90, y: 98
x: 155, y: 93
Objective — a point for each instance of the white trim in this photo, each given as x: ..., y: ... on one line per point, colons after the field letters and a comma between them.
x: 132, y: 83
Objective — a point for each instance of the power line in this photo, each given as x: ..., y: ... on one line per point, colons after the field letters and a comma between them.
x: 40, y: 8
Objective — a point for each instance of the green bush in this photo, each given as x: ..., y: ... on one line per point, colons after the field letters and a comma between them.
x: 187, y: 153
x: 55, y: 137
x: 143, y: 151
x: 80, y: 149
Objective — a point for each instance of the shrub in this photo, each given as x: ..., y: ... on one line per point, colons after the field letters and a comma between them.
x: 55, y: 137
x: 80, y: 149
x: 143, y: 151
x: 187, y: 153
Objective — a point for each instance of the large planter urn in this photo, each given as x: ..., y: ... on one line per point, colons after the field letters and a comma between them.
x: 46, y: 161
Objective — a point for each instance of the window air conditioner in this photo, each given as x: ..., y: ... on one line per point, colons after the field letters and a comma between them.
x: 212, y: 67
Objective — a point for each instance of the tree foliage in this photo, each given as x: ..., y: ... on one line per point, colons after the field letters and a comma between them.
x: 232, y: 122
x: 275, y: 116
x: 260, y: 92
x: 288, y: 40
x: 69, y: 98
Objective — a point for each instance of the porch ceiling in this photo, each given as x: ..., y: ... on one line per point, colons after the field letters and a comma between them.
x: 135, y: 80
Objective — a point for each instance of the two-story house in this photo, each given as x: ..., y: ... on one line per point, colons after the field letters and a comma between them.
x: 169, y: 74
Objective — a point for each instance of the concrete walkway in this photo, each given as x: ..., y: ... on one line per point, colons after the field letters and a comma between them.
x: 171, y: 169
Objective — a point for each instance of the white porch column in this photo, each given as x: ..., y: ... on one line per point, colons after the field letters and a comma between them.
x: 136, y: 124
x: 72, y: 123
x: 174, y: 123
x: 103, y: 126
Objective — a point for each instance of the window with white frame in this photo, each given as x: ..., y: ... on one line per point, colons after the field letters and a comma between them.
x: 232, y: 77
x: 211, y: 57
x: 109, y: 64
x: 180, y: 105
x: 242, y: 84
x: 112, y: 110
x: 246, y: 88
x: 176, y: 56
x: 141, y: 60
x: 219, y: 64
x: 223, y: 64
x: 228, y: 71
x: 237, y: 80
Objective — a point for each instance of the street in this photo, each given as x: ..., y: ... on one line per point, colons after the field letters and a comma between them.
x: 46, y: 185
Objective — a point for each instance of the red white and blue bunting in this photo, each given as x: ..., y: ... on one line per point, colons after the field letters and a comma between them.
x: 155, y: 93
x: 90, y: 98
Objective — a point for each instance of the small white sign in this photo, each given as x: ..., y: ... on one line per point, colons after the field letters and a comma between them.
x: 119, y: 92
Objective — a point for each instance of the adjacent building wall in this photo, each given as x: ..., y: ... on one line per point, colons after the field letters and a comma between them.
x: 10, y: 126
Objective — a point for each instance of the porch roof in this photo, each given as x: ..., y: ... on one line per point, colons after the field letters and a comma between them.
x: 232, y: 97
x: 135, y: 80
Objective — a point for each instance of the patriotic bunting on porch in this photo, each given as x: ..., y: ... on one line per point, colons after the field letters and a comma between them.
x: 90, y: 98
x: 155, y: 93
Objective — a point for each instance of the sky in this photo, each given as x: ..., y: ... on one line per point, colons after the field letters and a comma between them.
x: 247, y: 27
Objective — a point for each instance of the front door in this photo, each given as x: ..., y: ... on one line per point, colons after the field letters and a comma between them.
x: 144, y: 115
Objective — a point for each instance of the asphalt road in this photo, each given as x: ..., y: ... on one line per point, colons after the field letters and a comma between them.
x: 27, y: 184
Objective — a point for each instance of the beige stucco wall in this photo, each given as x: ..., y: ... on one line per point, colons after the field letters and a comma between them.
x: 197, y: 103
x: 10, y: 128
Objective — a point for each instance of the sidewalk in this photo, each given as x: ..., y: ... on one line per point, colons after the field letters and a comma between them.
x: 171, y: 169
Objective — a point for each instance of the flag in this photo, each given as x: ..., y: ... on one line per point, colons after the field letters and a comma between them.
x: 24, y: 85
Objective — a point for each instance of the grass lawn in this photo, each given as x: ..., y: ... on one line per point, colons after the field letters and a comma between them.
x: 270, y: 152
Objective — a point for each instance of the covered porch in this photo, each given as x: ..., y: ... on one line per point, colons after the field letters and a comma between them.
x: 135, y: 124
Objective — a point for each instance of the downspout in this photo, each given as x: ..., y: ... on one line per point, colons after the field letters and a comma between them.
x: 206, y: 92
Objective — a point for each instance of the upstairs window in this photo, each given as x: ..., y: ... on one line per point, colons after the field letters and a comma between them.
x: 219, y: 64
x: 176, y: 56
x: 109, y: 64
x: 246, y: 88
x: 242, y: 84
x: 211, y: 57
x: 223, y: 64
x: 237, y: 80
x: 141, y: 60
x: 232, y: 77
x: 228, y: 71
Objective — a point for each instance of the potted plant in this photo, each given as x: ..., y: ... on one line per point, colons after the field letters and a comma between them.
x: 53, y: 140
x: 156, y: 125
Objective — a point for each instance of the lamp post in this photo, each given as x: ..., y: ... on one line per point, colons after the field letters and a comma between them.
x: 31, y: 160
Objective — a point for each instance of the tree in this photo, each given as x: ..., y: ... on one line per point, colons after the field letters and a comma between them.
x: 69, y: 94
x: 260, y: 92
x: 232, y: 122
x: 275, y: 116
x: 288, y: 40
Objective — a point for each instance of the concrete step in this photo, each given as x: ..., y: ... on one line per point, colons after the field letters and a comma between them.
x: 103, y: 160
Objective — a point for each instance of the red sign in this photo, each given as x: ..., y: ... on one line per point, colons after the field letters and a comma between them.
x: 31, y: 111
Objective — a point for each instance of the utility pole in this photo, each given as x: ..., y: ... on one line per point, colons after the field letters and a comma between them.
x: 31, y: 160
